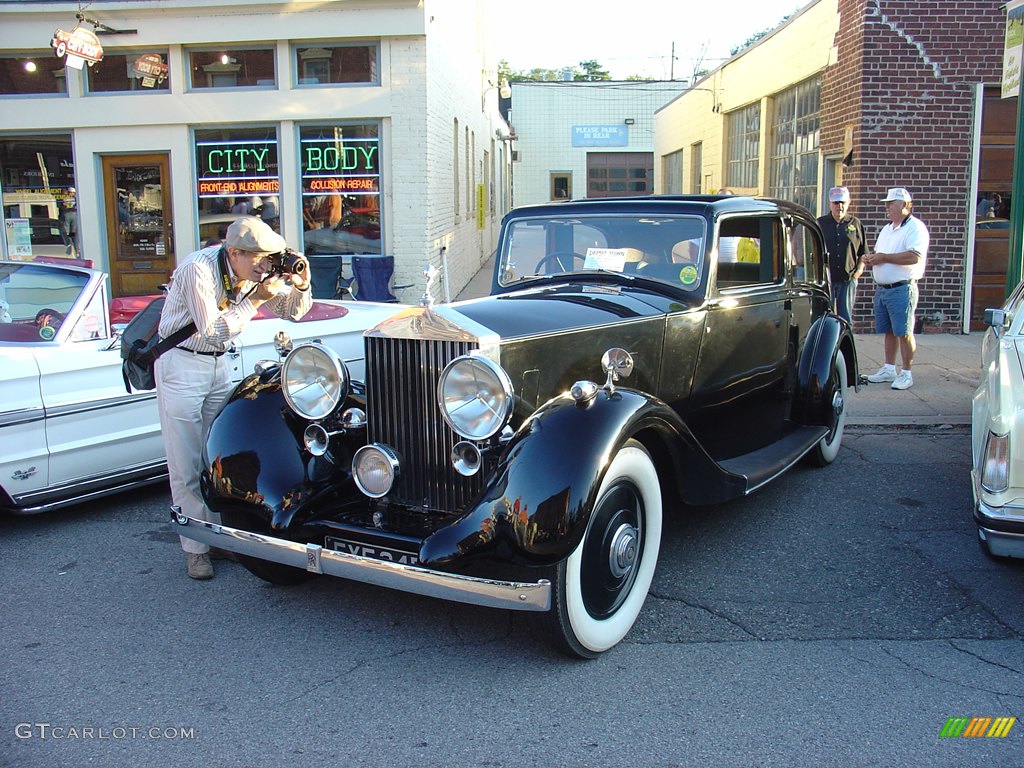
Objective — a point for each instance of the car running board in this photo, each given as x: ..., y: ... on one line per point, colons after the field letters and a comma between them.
x: 764, y: 464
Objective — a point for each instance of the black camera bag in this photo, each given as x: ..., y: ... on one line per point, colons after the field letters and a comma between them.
x: 141, y: 345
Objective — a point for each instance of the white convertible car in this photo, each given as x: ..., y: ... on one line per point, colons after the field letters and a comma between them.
x: 68, y: 429
x: 997, y: 421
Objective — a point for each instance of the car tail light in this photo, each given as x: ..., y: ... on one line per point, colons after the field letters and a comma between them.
x: 995, y: 473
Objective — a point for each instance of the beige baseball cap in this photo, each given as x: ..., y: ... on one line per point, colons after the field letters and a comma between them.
x: 897, y: 193
x: 252, y: 234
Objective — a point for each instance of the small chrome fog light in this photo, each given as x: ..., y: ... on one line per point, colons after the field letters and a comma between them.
x: 374, y: 468
x: 995, y: 473
x: 316, y: 439
x: 466, y: 458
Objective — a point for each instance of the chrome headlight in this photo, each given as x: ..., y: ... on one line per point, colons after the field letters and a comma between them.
x: 314, y: 381
x: 995, y: 470
x: 374, y: 468
x: 475, y: 396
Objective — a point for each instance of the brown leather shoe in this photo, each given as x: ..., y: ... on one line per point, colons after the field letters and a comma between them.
x: 199, y: 566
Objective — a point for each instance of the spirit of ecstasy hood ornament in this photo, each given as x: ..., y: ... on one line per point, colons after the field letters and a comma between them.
x: 430, y: 273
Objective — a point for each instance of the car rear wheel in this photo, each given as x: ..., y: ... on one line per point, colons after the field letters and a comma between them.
x: 275, y: 573
x: 600, y: 589
x: 825, y: 452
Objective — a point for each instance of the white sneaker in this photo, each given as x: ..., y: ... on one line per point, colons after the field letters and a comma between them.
x: 885, y: 373
x: 905, y: 380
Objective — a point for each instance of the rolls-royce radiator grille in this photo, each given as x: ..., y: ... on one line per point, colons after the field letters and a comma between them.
x: 402, y: 411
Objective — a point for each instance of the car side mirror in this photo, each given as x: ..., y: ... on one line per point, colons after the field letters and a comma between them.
x: 997, y: 318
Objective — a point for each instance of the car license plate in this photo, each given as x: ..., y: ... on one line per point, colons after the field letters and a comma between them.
x: 371, y: 551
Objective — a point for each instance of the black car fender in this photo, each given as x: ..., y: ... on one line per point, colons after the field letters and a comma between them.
x: 828, y: 335
x: 254, y: 458
x: 536, y: 507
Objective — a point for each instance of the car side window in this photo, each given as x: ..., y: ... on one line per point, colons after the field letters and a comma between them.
x: 93, y: 322
x: 749, y: 251
x: 805, y: 253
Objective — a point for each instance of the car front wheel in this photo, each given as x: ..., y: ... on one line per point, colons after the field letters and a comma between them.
x: 600, y: 589
x: 825, y: 452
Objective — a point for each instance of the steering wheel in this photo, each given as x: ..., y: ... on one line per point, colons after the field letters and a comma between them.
x: 556, y: 258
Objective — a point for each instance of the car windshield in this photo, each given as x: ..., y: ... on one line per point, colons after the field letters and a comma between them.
x: 669, y: 249
x: 35, y: 301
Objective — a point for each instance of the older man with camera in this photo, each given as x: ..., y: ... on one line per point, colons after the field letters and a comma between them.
x: 219, y: 289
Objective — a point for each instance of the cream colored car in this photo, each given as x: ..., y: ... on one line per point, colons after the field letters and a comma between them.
x: 997, y: 476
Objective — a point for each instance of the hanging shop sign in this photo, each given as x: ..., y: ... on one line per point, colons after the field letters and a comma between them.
x: 78, y: 46
x: 150, y: 69
x: 1013, y: 43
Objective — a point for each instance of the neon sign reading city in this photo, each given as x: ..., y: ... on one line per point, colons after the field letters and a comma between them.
x: 229, y: 168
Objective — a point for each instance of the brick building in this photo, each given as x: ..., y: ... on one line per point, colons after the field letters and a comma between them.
x: 870, y: 94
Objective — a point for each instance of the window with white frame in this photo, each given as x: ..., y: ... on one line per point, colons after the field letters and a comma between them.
x: 744, y: 146
x: 232, y: 67
x: 336, y: 64
x: 795, y: 134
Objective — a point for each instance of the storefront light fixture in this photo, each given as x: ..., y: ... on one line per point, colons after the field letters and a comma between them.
x: 225, y: 59
x: 30, y: 66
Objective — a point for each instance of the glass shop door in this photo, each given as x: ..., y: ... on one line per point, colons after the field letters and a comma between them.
x: 140, y: 237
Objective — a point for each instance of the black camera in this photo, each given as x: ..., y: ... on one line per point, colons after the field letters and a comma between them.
x: 287, y: 262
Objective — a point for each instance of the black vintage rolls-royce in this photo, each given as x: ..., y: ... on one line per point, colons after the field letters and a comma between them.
x: 520, y: 450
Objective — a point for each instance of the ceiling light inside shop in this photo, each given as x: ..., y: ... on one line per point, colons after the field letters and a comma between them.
x: 30, y: 66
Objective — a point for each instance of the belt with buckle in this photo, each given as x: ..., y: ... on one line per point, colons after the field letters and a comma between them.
x: 200, y: 352
x: 894, y: 285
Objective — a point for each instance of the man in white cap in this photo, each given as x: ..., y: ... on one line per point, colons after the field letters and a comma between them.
x: 219, y: 289
x: 897, y: 264
x: 845, y: 246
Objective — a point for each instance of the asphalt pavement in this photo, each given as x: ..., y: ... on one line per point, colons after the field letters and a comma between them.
x: 947, y: 368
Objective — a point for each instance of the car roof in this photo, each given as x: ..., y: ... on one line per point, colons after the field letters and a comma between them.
x: 704, y: 205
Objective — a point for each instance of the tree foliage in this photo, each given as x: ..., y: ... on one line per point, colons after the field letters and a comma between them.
x: 757, y: 36
x: 589, y: 70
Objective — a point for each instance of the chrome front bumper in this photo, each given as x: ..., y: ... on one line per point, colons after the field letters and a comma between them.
x: 511, y: 595
x: 1001, y: 543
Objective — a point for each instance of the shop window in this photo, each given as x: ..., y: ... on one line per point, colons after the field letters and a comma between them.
x: 743, y: 146
x: 232, y: 68
x: 561, y: 186
x: 672, y: 173
x: 38, y: 174
x: 327, y: 65
x: 795, y: 133
x: 696, y: 168
x: 455, y: 166
x: 237, y: 174
x: 137, y: 71
x: 341, y: 214
x: 37, y: 72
